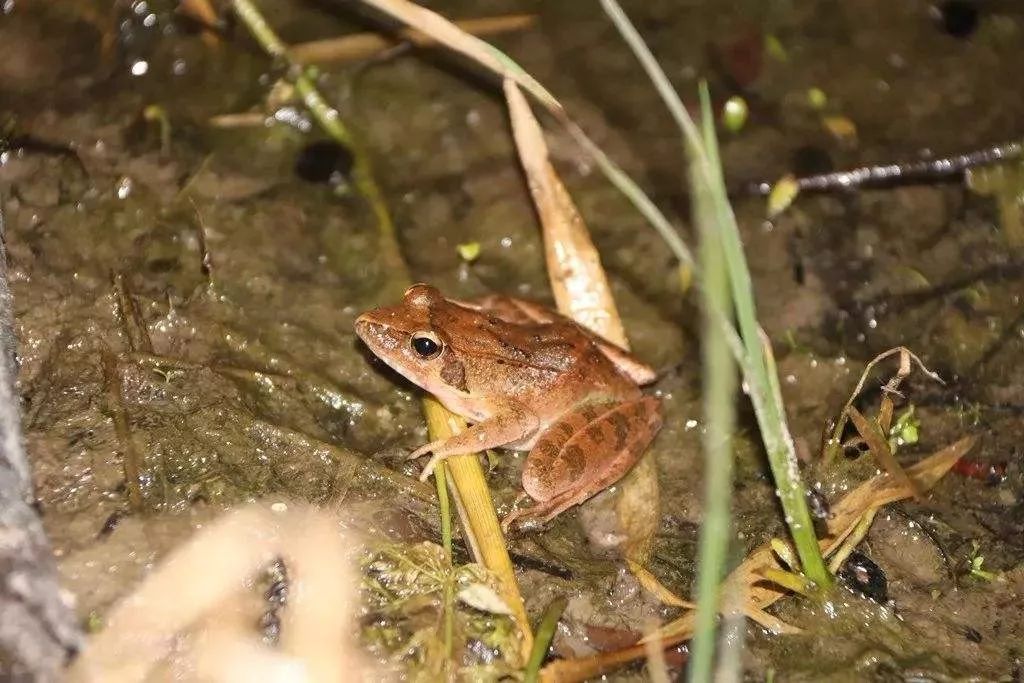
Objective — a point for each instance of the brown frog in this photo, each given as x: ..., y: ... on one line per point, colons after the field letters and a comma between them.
x: 528, y: 379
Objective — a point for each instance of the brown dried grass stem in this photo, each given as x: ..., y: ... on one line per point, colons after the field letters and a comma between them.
x: 115, y: 408
x: 363, y: 45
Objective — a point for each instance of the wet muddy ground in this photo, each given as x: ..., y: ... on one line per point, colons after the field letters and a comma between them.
x: 242, y: 378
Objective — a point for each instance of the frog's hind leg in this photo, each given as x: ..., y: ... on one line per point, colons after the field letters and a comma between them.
x: 610, y: 437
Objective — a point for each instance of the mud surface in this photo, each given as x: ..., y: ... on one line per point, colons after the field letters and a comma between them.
x: 201, y: 282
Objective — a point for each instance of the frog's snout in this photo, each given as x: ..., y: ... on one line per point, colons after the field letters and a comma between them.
x: 363, y: 326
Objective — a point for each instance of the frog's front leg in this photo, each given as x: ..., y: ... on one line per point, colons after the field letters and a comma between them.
x: 512, y: 422
x: 585, y: 452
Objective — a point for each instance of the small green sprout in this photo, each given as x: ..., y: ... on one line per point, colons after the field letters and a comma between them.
x: 976, y: 563
x: 94, y: 622
x: 154, y: 113
x: 906, y: 431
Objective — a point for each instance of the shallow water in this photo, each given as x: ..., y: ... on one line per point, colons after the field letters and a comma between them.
x: 249, y: 382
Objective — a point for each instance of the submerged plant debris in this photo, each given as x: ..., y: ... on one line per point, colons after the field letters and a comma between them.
x: 411, y: 591
x: 184, y: 300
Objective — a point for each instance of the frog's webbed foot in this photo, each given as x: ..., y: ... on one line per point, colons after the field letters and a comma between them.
x: 517, y: 512
x: 543, y: 512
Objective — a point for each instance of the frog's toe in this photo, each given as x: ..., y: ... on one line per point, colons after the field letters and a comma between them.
x: 431, y: 464
x: 423, y: 450
x: 506, y: 523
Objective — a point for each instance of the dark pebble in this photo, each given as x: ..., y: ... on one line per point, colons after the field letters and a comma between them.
x: 865, y: 577
x: 958, y: 18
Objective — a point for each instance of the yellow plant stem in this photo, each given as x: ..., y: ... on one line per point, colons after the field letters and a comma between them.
x: 480, y: 520
x: 794, y: 582
x: 853, y: 540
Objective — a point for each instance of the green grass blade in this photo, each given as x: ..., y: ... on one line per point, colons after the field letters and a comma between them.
x: 719, y: 387
x: 758, y: 368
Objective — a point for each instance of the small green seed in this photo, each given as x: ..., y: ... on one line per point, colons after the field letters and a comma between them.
x: 782, y: 195
x: 735, y: 114
x: 775, y: 49
x: 817, y: 98
x: 469, y: 251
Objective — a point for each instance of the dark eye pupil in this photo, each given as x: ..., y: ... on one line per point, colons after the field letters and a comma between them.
x: 425, y: 346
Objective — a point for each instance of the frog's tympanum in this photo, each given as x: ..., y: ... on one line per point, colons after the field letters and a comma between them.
x: 527, y: 379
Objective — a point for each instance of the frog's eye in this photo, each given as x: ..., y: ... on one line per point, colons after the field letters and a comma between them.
x: 426, y: 345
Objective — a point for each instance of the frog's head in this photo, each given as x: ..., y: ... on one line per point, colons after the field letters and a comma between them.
x: 412, y: 338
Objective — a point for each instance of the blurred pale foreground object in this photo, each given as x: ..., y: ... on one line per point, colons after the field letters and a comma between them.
x: 194, y: 618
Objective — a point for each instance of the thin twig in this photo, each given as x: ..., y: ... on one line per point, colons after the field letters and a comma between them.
x: 133, y: 327
x: 117, y: 411
x: 923, y: 171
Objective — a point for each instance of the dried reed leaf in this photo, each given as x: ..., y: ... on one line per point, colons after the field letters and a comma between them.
x: 584, y: 668
x: 362, y: 45
x: 883, y: 489
x: 578, y: 280
x: 652, y: 585
x: 771, y: 623
x: 871, y: 432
